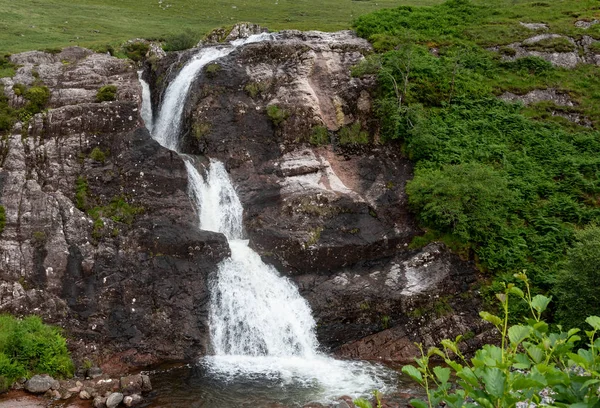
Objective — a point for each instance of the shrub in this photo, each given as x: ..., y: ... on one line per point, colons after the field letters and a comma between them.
x: 200, y: 130
x: 353, y: 134
x: 7, y: 68
x: 212, y: 69
x: 81, y: 193
x: 37, y: 97
x: 319, y: 136
x: 253, y: 89
x: 29, y: 347
x: 179, y: 42
x: 277, y: 115
x: 106, y: 93
x: 19, y: 89
x: 98, y: 155
x: 532, y: 65
x: 532, y: 366
x: 135, y: 51
x: 577, y: 281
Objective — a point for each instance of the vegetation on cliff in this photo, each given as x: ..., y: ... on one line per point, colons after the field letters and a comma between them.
x: 510, y: 185
x: 28, y: 347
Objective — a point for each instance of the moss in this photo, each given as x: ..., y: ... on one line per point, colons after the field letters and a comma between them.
x: 256, y: 88
x: 211, y: 70
x: 106, y: 93
x: 98, y: 155
x: 555, y: 44
x: 314, y: 236
x: 277, y: 115
x: 19, y: 89
x: 136, y: 51
x: 2, y: 218
x: 81, y: 193
x: 201, y: 130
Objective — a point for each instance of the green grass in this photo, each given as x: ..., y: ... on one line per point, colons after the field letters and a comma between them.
x: 41, y: 24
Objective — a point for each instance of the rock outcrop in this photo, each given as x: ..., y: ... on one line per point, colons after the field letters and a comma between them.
x: 99, y: 234
x: 330, y: 212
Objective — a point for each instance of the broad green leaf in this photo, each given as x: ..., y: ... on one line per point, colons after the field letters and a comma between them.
x: 413, y: 373
x: 524, y: 383
x: 436, y: 351
x: 450, y: 345
x: 362, y: 403
x: 574, y: 339
x: 501, y: 297
x: 418, y: 403
x: 577, y: 359
x: 535, y: 353
x: 540, y: 303
x: 494, y: 379
x: 442, y: 374
x: 516, y: 291
x: 455, y: 366
x: 590, y: 382
x: 522, y: 362
x: 518, y: 333
x: 469, y: 376
x: 488, y: 317
x: 541, y: 327
x: 572, y: 332
x: 593, y: 321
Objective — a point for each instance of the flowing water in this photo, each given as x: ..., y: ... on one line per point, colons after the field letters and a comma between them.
x: 262, y: 331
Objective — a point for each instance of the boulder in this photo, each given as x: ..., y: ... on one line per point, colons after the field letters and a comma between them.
x: 39, y: 384
x: 114, y: 400
x: 132, y: 400
x: 132, y: 384
x: 99, y: 402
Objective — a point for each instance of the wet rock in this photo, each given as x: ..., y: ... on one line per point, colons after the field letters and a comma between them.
x: 132, y: 400
x: 84, y: 395
x: 94, y: 372
x: 114, y: 400
x: 146, y: 384
x: 39, y: 384
x: 132, y: 384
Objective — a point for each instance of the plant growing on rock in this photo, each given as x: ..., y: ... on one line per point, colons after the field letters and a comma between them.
x: 135, y: 51
x: 532, y: 365
x: 106, y: 93
x: 353, y: 134
x: 182, y: 41
x: 277, y: 115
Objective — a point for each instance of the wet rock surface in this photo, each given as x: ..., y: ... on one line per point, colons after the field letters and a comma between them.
x: 333, y: 217
x: 100, y: 234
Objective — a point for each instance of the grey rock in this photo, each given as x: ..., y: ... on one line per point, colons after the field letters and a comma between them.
x: 340, y: 404
x: 84, y: 395
x: 94, y: 372
x: 132, y: 400
x: 586, y: 24
x: 534, y: 26
x: 99, y: 402
x: 39, y: 384
x: 114, y: 400
x: 132, y: 384
x: 146, y: 384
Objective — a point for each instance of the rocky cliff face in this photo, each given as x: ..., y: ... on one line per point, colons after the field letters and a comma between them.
x: 100, y: 234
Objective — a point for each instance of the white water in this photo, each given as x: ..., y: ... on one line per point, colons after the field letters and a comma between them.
x: 146, y: 103
x: 260, y: 326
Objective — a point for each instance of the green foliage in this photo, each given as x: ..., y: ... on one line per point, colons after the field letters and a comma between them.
x: 19, y: 89
x: 118, y: 210
x: 7, y: 68
x: 30, y: 347
x: 319, y: 136
x: 81, y: 193
x: 2, y: 218
x: 200, y: 130
x: 277, y: 115
x: 106, y: 93
x: 135, y: 51
x: 98, y: 155
x: 256, y: 88
x: 353, y: 134
x: 577, y: 281
x: 182, y: 41
x: 532, y: 365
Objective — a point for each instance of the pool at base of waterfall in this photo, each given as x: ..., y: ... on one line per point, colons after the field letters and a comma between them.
x: 269, y: 382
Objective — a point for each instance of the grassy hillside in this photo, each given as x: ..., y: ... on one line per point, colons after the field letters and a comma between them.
x: 507, y: 185
x: 40, y: 24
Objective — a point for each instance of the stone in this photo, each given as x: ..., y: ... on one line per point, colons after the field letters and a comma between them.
x: 84, y: 395
x: 39, y: 384
x: 340, y: 404
x: 114, y: 400
x: 94, y: 372
x: 99, y: 402
x: 132, y: 384
x: 132, y: 400
x: 146, y: 384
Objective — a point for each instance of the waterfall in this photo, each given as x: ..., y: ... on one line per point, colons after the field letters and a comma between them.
x: 260, y: 326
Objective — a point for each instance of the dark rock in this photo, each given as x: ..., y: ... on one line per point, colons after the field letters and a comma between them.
x: 146, y: 384
x: 94, y: 372
x: 99, y: 402
x: 132, y: 384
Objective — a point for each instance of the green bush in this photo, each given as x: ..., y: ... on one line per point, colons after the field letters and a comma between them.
x: 98, y: 155
x: 29, y: 347
x: 106, y: 93
x: 7, y: 68
x: 135, y: 51
x: 37, y: 98
x: 81, y: 193
x: 180, y: 42
x: 19, y: 89
x: 577, y: 282
x: 277, y: 115
x: 319, y: 136
x: 531, y: 365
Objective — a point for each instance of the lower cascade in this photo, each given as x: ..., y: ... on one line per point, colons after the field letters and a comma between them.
x: 261, y: 329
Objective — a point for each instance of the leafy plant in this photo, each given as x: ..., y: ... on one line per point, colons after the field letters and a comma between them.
x: 181, y: 41
x: 98, y: 155
x: 135, y: 51
x: 353, y: 134
x: 2, y: 218
x: 319, y: 136
x: 106, y: 93
x: 29, y: 347
x: 532, y: 365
